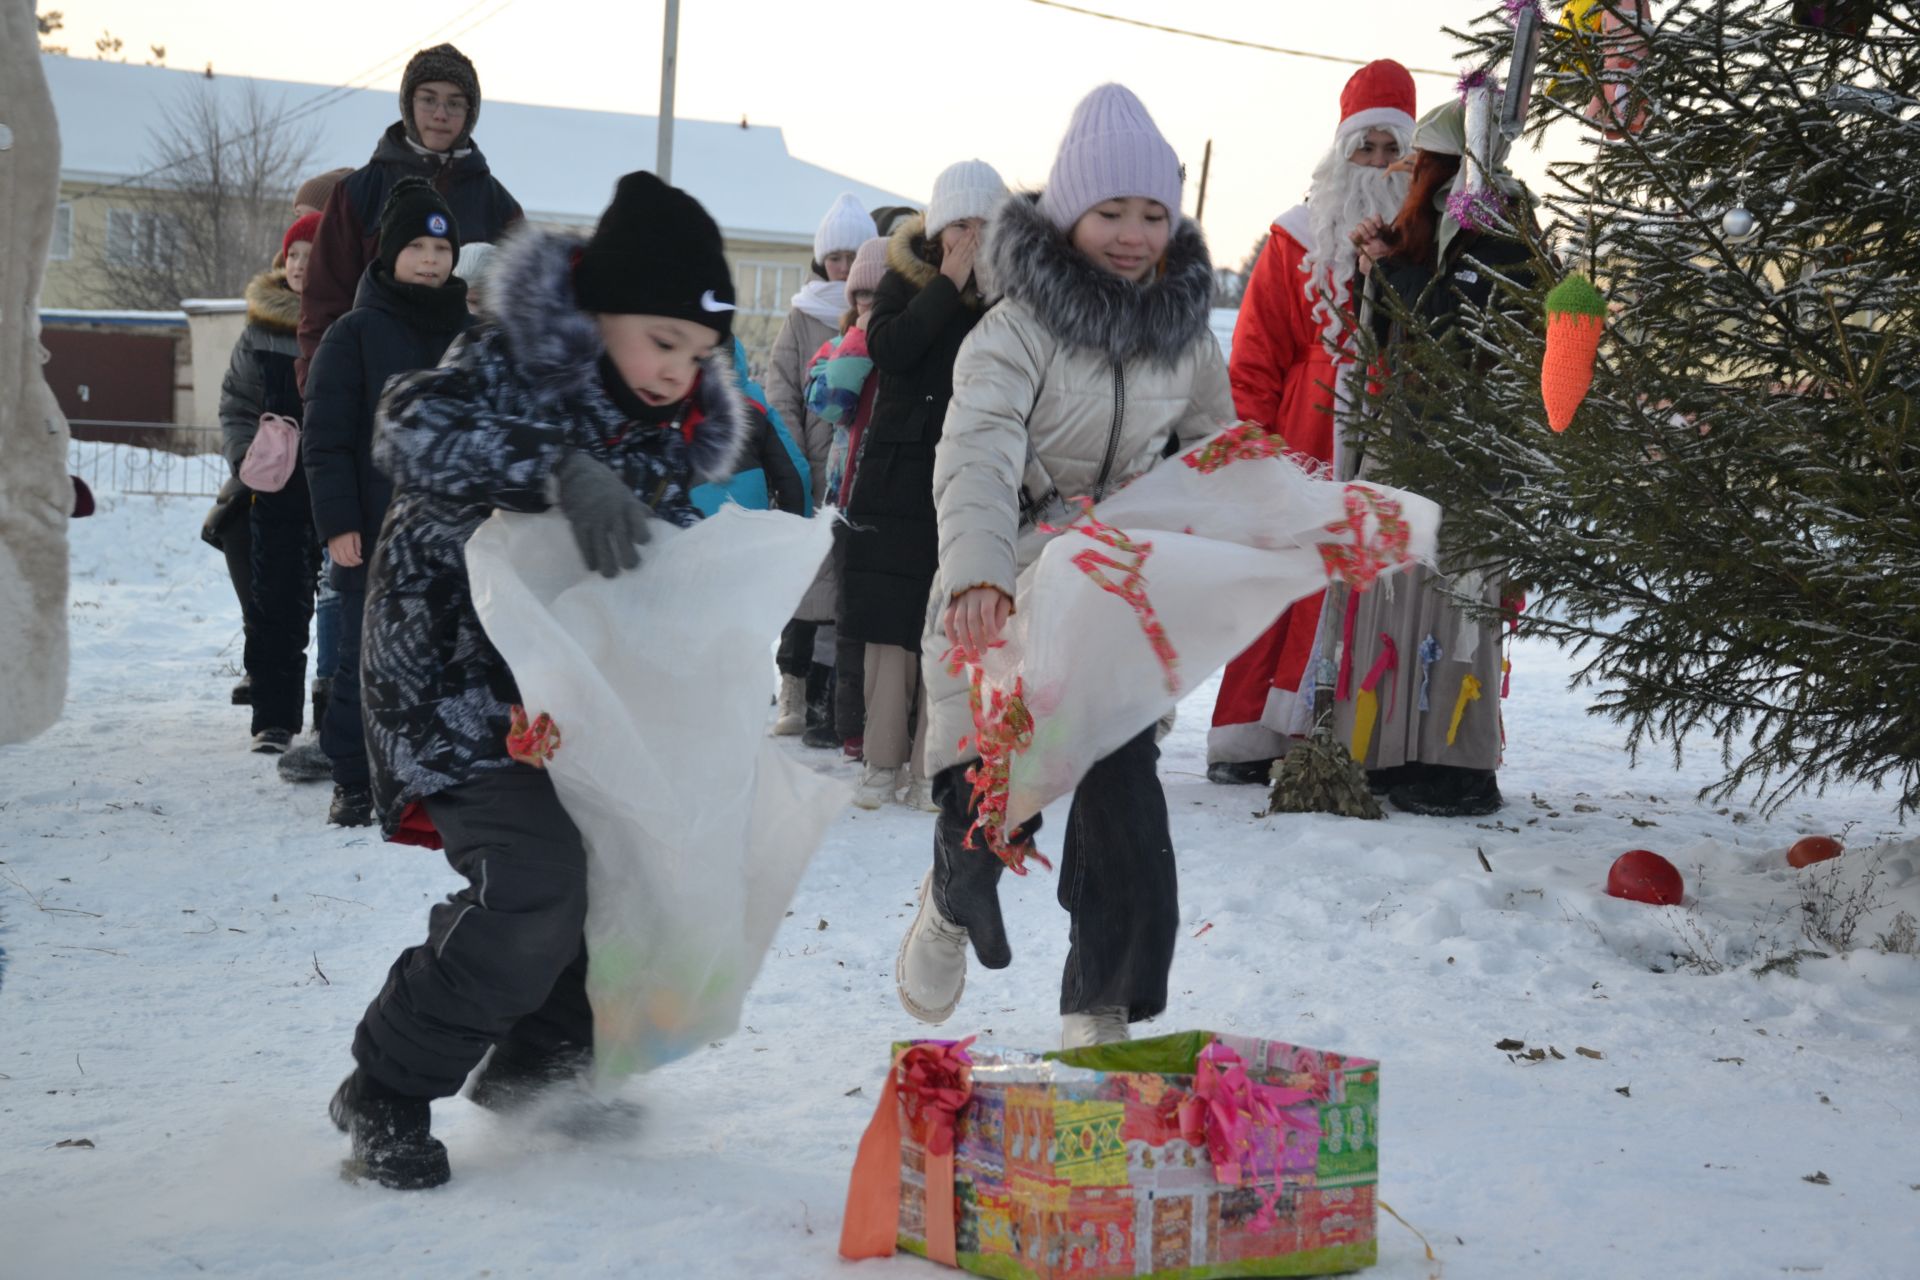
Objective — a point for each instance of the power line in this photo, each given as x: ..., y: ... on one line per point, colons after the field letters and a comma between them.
x: 319, y: 101
x: 1239, y: 44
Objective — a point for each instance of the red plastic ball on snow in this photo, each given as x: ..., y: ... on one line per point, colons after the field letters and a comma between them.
x: 1641, y: 875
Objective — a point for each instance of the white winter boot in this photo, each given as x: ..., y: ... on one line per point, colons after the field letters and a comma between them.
x: 792, y: 717
x: 919, y: 794
x: 877, y: 786
x: 931, y: 969
x: 1095, y: 1026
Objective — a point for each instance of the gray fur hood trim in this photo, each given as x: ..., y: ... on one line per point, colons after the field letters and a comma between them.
x: 1033, y: 263
x: 555, y: 347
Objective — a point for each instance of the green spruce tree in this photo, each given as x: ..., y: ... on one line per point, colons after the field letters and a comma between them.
x: 1729, y: 532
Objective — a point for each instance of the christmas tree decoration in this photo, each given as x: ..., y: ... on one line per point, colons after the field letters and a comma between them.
x: 1758, y: 247
x: 1367, y: 705
x: 1576, y: 317
x: 1811, y: 849
x: 1641, y: 875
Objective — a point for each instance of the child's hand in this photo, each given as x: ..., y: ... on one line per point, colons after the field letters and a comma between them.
x: 976, y: 618
x: 957, y: 263
x: 345, y: 550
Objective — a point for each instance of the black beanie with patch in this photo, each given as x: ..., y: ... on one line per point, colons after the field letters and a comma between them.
x: 414, y: 209
x: 656, y: 252
x: 442, y: 62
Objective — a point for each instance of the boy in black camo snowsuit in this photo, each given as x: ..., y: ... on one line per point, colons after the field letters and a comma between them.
x: 602, y: 384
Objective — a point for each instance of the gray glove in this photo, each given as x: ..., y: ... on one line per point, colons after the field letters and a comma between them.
x: 608, y: 521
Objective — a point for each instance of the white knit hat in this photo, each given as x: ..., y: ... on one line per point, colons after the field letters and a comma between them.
x: 846, y: 227
x: 970, y: 189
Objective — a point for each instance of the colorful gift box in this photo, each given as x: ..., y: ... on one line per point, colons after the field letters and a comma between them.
x: 1193, y: 1156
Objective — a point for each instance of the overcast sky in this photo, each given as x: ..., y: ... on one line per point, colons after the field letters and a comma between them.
x: 889, y: 91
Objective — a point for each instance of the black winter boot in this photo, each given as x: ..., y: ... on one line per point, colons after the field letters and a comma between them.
x: 1444, y: 791
x: 392, y: 1141
x: 1240, y: 773
x: 513, y: 1076
x: 819, y: 732
x: 351, y: 807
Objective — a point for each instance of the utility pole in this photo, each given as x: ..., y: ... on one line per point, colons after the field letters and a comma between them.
x: 669, y: 63
x: 1206, y: 167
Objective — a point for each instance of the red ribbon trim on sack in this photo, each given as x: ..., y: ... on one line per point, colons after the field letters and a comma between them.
x: 1002, y: 729
x: 1242, y: 442
x: 1360, y: 559
x: 930, y: 1083
x: 1234, y: 1118
x: 532, y: 743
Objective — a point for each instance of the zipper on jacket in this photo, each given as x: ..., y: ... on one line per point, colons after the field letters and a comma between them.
x: 1113, y: 436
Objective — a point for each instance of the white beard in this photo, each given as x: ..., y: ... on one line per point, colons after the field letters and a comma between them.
x: 1344, y: 195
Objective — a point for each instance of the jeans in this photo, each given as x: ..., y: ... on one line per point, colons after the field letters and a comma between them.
x: 504, y: 959
x: 343, y: 737
x: 1118, y: 881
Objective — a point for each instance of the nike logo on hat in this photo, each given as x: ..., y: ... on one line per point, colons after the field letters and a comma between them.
x: 710, y: 303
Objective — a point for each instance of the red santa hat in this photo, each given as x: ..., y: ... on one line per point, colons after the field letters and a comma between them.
x: 1379, y: 96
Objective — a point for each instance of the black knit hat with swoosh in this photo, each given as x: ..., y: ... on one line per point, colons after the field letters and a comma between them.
x: 656, y: 252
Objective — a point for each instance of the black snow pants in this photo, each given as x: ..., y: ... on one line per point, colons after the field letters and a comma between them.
x: 504, y: 961
x: 1118, y: 881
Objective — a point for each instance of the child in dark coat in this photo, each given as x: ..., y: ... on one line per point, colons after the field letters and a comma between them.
x: 409, y: 308
x: 602, y: 384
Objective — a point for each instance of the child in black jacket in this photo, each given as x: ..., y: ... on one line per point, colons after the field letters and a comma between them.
x: 409, y: 308
x: 602, y: 383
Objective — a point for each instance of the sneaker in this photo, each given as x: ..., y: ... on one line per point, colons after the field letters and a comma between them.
x: 854, y: 749
x: 1449, y: 793
x: 919, y: 794
x: 792, y: 715
x: 392, y: 1139
x: 931, y: 969
x: 351, y: 807
x: 1096, y: 1026
x: 271, y: 742
x: 877, y: 787
x: 243, y: 692
x: 305, y: 762
x: 1240, y: 773
x: 820, y: 737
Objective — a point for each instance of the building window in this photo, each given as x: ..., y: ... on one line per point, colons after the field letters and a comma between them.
x: 767, y: 288
x: 139, y: 236
x: 62, y: 247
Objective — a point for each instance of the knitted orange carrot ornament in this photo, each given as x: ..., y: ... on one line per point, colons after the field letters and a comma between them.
x: 1576, y: 315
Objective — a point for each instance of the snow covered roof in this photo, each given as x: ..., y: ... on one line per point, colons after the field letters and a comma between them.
x: 559, y: 162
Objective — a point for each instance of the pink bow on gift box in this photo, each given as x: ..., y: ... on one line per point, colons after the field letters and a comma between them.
x: 1241, y: 1123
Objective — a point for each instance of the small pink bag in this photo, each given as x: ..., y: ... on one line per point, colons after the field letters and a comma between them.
x: 272, y: 456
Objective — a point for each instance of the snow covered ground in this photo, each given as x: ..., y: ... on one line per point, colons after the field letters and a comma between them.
x: 187, y: 948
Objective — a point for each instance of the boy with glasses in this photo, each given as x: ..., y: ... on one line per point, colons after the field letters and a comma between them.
x: 433, y: 140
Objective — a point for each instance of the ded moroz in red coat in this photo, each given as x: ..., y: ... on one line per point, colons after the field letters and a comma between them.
x: 1283, y: 376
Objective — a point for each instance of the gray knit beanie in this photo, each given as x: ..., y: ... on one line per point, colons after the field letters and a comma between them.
x: 1112, y: 149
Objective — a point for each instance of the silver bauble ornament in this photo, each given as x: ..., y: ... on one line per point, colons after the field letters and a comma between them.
x: 1738, y: 223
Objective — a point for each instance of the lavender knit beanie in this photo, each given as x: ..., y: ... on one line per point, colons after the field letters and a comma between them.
x: 1111, y: 149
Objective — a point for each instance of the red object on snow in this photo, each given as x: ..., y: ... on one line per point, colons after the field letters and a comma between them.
x: 1808, y: 850
x: 1641, y: 875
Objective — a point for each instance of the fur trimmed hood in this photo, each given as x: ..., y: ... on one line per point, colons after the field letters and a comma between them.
x: 555, y: 347
x: 271, y: 304
x: 1083, y: 306
x: 909, y: 254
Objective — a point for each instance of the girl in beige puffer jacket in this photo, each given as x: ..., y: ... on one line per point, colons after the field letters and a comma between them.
x: 1097, y: 358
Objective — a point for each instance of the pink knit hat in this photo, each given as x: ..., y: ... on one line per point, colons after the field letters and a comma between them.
x: 869, y: 265
x: 1112, y: 149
